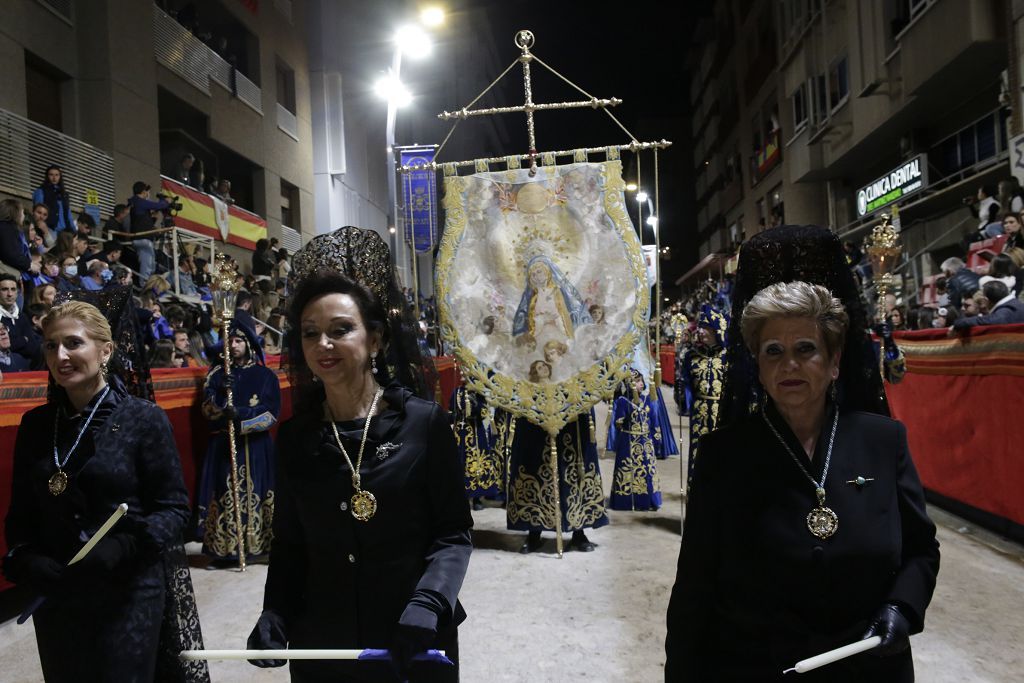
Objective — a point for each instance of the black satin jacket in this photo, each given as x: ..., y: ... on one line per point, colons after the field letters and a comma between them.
x: 756, y: 592
x: 343, y: 583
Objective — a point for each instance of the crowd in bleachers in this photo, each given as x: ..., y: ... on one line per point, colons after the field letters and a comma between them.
x: 45, y: 250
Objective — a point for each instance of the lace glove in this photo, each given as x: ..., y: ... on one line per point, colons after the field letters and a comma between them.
x: 268, y: 634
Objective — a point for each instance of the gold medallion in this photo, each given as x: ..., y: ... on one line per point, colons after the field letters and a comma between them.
x: 364, y: 505
x: 57, y: 483
x: 822, y: 522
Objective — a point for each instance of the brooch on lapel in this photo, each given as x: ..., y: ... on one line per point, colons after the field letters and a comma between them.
x: 114, y: 427
x: 385, y: 449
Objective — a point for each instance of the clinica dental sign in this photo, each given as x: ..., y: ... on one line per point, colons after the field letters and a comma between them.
x: 893, y: 186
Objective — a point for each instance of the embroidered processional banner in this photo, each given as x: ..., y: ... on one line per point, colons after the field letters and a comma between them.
x: 542, y: 287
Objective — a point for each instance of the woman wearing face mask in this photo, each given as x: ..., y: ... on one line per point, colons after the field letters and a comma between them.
x: 67, y: 279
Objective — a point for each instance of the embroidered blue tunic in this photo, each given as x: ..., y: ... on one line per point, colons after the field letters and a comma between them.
x: 482, y: 463
x: 635, y: 484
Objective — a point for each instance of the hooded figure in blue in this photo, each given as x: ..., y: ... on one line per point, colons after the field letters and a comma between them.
x: 550, y: 307
x: 660, y: 423
x: 256, y: 405
x: 700, y: 369
x: 635, y: 484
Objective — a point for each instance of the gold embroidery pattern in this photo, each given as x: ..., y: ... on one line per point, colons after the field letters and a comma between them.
x: 530, y: 499
x: 483, y: 465
x: 219, y: 535
x: 631, y: 472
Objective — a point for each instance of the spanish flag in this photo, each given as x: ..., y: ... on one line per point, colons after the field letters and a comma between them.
x: 209, y: 216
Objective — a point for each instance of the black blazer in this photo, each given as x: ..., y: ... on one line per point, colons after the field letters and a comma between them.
x: 756, y: 592
x: 342, y: 583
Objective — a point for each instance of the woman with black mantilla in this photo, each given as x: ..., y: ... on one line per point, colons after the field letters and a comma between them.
x: 806, y: 526
x: 125, y: 611
x: 371, y: 526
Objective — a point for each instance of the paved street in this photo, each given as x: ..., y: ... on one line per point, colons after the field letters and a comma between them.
x: 600, y: 617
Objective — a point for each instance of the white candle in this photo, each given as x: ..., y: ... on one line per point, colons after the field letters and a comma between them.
x: 835, y: 655
x: 192, y: 655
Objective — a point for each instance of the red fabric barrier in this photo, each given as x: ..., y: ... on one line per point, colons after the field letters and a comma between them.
x: 667, y: 354
x: 178, y: 392
x: 957, y: 400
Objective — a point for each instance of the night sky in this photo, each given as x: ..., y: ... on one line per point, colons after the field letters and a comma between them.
x: 635, y: 51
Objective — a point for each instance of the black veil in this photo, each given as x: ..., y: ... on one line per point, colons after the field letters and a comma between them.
x: 811, y: 254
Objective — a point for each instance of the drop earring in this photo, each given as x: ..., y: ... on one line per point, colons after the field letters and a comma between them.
x: 373, y: 362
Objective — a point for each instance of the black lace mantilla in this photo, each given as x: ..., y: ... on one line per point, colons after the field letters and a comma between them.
x: 129, y: 362
x: 813, y: 254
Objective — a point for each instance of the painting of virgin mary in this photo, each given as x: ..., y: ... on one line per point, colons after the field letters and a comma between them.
x: 550, y: 306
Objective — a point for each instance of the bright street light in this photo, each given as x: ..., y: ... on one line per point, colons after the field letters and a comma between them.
x: 432, y: 16
x: 652, y: 221
x: 641, y: 196
x: 393, y: 90
x: 413, y: 41
x: 630, y: 187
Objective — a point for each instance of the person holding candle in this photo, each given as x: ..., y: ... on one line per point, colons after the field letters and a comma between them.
x: 805, y: 526
x: 91, y: 447
x: 371, y: 523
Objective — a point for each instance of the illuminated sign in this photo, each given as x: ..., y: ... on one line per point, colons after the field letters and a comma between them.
x: 893, y: 186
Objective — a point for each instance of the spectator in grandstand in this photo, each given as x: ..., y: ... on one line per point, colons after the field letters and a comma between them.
x: 156, y: 286
x: 1003, y: 268
x: 15, y: 256
x: 111, y: 253
x: 10, y: 361
x: 1006, y: 309
x: 44, y: 294
x: 1011, y: 197
x: 159, y: 327
x: 122, y: 276
x: 162, y: 355
x: 98, y: 274
x: 282, y: 266
x: 897, y: 318
x: 84, y: 252
x: 52, y: 193
x: 223, y: 191
x: 186, y: 285
x: 188, y: 172
x: 40, y: 212
x: 68, y: 280
x: 141, y: 208
x: 17, y: 322
x: 1014, y: 245
x: 985, y: 207
x: 263, y: 263
x: 961, y: 281
x: 188, y: 354
x: 943, y: 316
x: 925, y: 319
x: 116, y: 221
x: 85, y: 224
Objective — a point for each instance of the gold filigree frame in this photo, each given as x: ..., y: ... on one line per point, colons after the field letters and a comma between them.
x: 550, y: 405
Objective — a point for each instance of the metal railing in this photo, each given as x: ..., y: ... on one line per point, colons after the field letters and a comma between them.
x: 27, y: 148
x: 187, y: 56
x: 287, y: 121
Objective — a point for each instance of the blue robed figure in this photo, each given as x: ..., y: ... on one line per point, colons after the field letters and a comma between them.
x: 635, y: 484
x: 482, y: 463
x: 700, y: 377
x: 549, y: 301
x: 257, y: 404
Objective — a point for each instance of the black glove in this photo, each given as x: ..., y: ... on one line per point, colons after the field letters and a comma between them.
x: 41, y: 572
x: 417, y: 630
x: 268, y: 634
x: 409, y: 641
x: 230, y: 412
x: 108, y: 555
x: 893, y: 627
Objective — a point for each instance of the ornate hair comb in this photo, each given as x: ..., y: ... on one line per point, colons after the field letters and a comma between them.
x: 360, y: 254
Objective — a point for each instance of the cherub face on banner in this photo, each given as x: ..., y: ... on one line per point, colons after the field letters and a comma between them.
x: 541, y: 287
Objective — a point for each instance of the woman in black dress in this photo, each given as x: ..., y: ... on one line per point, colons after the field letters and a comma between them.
x: 371, y: 523
x: 806, y: 526
x: 76, y: 458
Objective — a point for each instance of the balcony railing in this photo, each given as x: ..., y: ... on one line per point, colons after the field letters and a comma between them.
x: 287, y: 122
x: 197, y: 64
x: 27, y: 148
